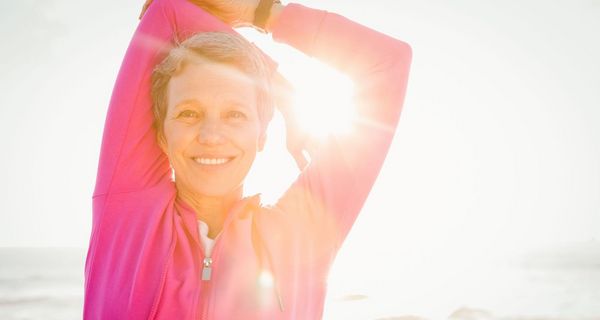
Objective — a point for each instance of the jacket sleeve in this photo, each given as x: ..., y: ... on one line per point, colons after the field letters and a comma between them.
x: 329, y: 193
x: 130, y: 158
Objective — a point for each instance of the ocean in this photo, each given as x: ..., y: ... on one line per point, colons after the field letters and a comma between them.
x: 41, y: 283
x: 555, y: 283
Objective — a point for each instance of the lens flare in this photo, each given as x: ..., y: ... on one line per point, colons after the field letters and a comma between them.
x: 323, y: 100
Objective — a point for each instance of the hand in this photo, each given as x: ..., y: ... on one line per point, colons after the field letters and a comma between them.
x: 298, y: 141
x: 144, y: 8
x: 236, y: 13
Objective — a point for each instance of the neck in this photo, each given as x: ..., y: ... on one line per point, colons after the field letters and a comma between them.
x: 211, y: 209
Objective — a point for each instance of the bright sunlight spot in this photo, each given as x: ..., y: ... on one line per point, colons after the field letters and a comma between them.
x: 323, y: 105
x: 323, y: 96
x: 323, y: 99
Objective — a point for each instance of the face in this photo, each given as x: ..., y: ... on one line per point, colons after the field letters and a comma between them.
x: 211, y: 129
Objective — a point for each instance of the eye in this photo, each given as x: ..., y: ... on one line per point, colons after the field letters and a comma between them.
x: 188, y: 114
x: 236, y: 115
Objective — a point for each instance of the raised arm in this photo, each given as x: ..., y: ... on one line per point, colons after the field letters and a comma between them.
x: 334, y: 187
x: 130, y: 158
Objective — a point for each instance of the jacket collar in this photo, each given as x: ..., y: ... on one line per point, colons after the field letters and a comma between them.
x: 240, y: 209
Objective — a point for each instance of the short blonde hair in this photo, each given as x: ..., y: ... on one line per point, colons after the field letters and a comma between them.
x: 214, y: 47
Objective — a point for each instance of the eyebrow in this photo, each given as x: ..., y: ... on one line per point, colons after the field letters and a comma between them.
x: 230, y: 102
x: 239, y: 104
x: 188, y: 102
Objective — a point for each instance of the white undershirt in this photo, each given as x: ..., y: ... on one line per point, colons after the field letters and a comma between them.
x: 207, y: 243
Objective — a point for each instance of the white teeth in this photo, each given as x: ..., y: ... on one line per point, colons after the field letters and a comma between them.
x: 212, y: 161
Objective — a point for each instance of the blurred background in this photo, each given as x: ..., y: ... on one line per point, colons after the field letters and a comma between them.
x: 488, y: 205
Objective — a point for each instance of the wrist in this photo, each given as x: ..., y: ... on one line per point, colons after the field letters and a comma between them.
x: 276, y: 10
x: 265, y: 14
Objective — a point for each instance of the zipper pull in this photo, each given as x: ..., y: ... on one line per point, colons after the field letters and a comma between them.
x: 206, y: 270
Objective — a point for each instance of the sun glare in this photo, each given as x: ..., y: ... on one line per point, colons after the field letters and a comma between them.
x: 323, y: 99
x: 323, y: 96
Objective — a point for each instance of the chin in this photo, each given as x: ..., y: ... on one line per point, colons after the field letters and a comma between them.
x: 213, y: 190
x: 209, y: 185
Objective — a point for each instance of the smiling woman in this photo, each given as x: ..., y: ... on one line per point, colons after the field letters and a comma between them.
x: 211, y: 116
x: 195, y: 247
x: 211, y: 139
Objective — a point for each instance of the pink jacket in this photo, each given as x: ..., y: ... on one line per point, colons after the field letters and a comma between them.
x: 145, y: 260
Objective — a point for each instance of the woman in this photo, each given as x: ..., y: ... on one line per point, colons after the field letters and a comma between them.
x: 190, y: 246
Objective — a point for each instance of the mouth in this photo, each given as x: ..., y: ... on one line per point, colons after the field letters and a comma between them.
x: 212, y: 161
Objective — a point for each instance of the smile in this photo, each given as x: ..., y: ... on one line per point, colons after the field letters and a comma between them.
x: 212, y: 161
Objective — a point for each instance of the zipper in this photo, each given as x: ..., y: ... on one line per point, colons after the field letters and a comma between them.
x: 204, y: 287
x: 206, y: 282
x: 206, y: 269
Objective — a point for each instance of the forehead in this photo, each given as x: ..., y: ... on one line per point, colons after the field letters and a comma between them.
x: 212, y: 84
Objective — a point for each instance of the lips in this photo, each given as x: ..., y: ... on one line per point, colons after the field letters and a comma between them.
x: 212, y: 160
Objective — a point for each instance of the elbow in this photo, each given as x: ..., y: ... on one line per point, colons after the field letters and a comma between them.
x: 394, y: 65
x: 394, y: 60
x: 400, y: 60
x: 402, y: 54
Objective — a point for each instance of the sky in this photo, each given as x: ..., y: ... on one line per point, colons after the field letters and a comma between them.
x: 497, y: 149
x: 498, y: 137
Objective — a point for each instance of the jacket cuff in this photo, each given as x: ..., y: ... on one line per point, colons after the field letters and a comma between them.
x: 298, y: 26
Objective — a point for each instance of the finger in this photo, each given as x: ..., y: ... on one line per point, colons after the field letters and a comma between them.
x: 142, y: 12
x: 301, y: 161
x: 144, y: 8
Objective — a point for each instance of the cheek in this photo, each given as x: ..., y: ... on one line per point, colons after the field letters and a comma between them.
x: 249, y: 137
x: 177, y: 137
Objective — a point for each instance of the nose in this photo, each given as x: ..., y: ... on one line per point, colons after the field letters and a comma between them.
x: 210, y: 133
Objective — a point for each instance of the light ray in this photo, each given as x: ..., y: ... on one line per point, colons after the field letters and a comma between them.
x: 323, y: 100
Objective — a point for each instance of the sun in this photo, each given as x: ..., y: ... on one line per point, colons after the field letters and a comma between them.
x: 323, y: 99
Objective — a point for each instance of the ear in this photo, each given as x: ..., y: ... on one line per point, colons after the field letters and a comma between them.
x: 162, y: 142
x: 262, y: 139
